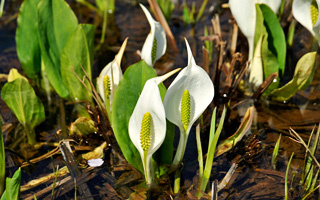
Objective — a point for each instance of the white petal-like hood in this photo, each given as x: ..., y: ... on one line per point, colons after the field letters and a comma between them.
x: 149, y: 101
x: 155, y: 32
x: 113, y: 70
x: 194, y: 79
x: 244, y: 12
x: 302, y: 13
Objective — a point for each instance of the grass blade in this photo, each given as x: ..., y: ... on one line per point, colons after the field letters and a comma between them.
x: 2, y: 163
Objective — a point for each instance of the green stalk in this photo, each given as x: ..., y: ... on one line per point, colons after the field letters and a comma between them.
x: 200, y: 157
x: 275, y: 153
x: 2, y: 163
x: 105, y: 20
x: 54, y: 182
x: 286, y: 178
x: 213, y: 140
x: 177, y: 177
x: 30, y: 134
x: 180, y: 150
x: 1, y: 13
x: 89, y: 5
x: 147, y: 164
x: 200, y: 13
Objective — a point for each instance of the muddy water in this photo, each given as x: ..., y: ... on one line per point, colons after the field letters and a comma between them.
x: 254, y: 177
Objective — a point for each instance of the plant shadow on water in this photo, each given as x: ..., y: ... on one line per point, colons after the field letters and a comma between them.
x: 254, y: 177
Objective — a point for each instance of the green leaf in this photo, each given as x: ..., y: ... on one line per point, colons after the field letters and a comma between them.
x: 276, y: 37
x: 27, y: 39
x: 231, y: 141
x: 2, y: 162
x: 166, y: 7
x: 77, y: 53
x: 56, y: 23
x: 302, y: 78
x: 273, y: 47
x: 125, y: 99
x: 13, y: 186
x: 22, y: 100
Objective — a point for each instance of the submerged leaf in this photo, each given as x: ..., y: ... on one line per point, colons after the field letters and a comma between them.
x: 302, y: 78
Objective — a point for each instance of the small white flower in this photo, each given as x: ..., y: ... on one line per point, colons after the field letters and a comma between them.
x: 244, y: 12
x: 306, y: 12
x: 147, y: 124
x: 114, y: 73
x: 156, y: 43
x: 187, y: 97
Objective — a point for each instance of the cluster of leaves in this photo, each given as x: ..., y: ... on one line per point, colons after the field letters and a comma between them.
x: 267, y: 46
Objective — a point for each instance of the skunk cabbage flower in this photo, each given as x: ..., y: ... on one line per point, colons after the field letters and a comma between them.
x: 110, y: 77
x: 244, y: 12
x: 147, y: 124
x: 156, y: 43
x: 186, y: 99
x: 306, y: 12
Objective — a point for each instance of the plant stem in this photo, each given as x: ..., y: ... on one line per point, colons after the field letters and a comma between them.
x: 105, y: 20
x: 177, y: 176
x: 147, y: 166
x: 180, y: 150
x: 286, y: 179
x: 200, y: 157
x: 31, y: 135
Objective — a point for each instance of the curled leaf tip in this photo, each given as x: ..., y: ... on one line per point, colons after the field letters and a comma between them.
x: 185, y: 110
x: 162, y: 78
x: 118, y: 57
x: 107, y: 86
x: 190, y: 56
x: 145, y: 133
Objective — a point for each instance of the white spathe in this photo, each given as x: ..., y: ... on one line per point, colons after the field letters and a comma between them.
x: 244, y: 12
x: 155, y: 32
x: 302, y: 13
x: 194, y: 79
x: 113, y: 70
x: 149, y: 101
x: 200, y: 87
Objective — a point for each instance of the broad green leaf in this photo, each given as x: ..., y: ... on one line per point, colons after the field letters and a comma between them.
x: 302, y: 78
x: 27, y: 39
x: 273, y: 47
x: 77, y: 54
x: 27, y: 107
x: 125, y: 99
x: 13, y: 186
x: 56, y: 23
x: 2, y: 162
x: 269, y: 62
x: 276, y: 37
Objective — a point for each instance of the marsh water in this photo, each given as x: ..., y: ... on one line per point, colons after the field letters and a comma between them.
x: 254, y: 177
